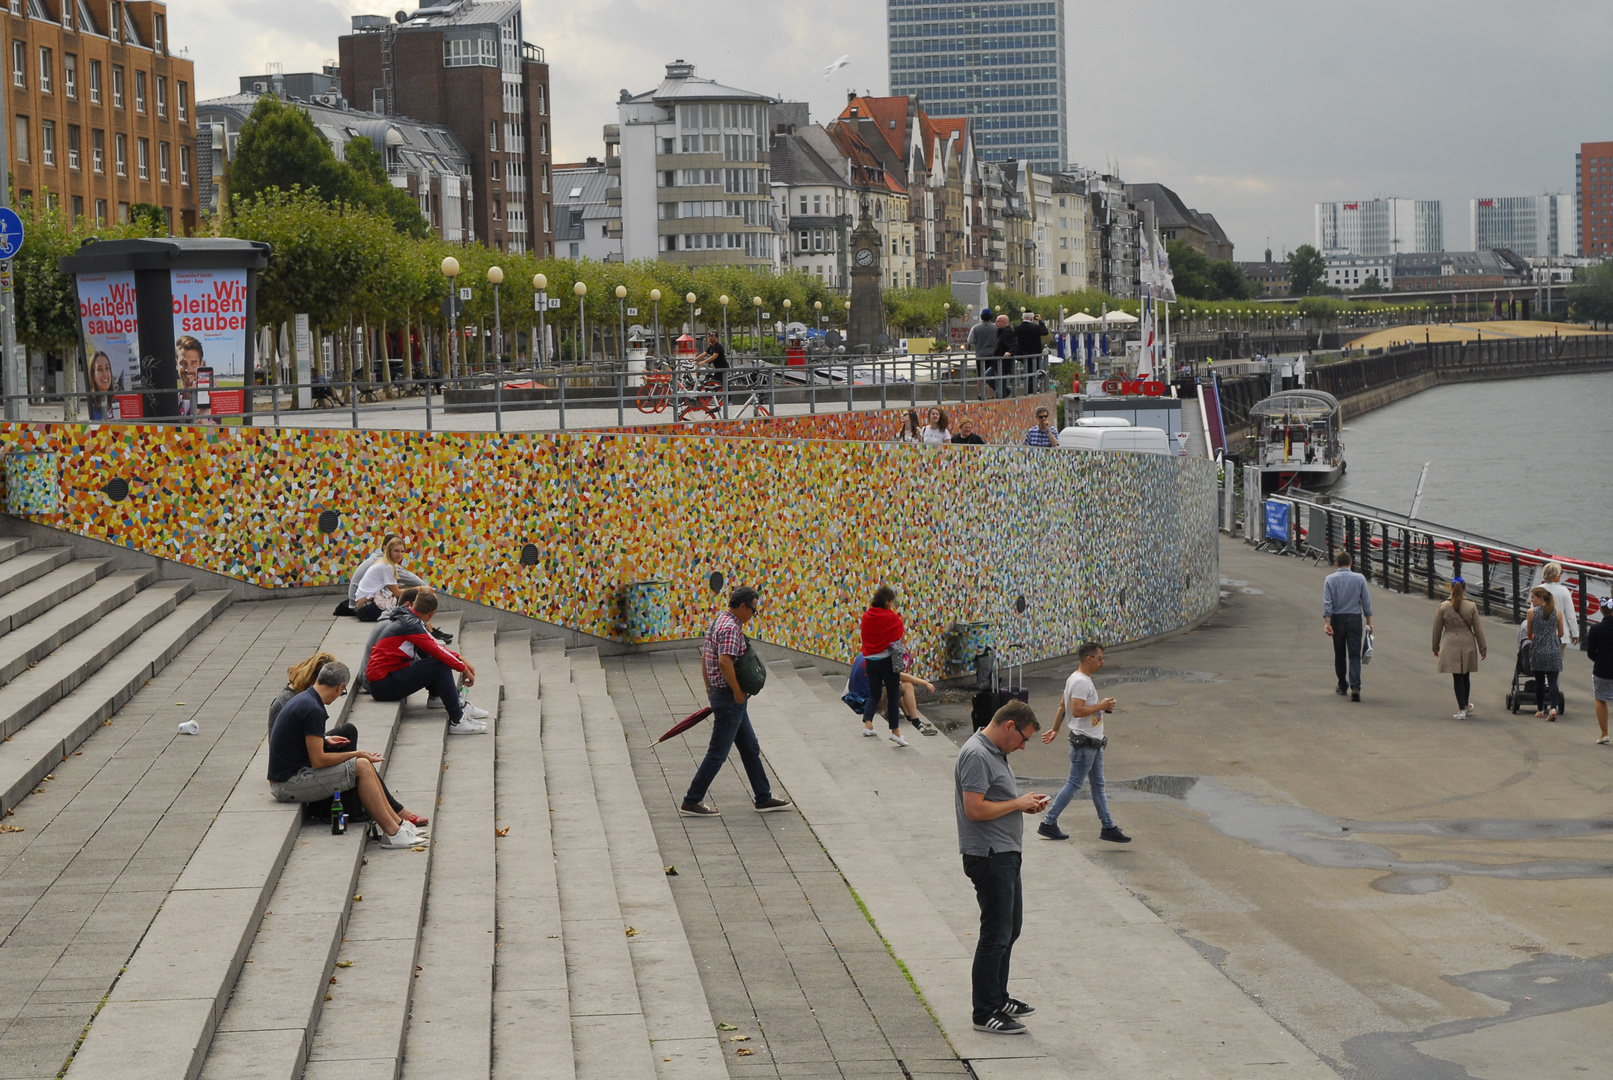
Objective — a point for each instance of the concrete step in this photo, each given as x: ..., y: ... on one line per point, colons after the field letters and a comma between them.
x: 362, y: 1028
x: 609, y: 1036
x: 59, y: 726
x: 27, y: 602
x: 529, y: 964
x: 451, y: 1019
x: 27, y: 645
x: 267, y: 1024
x: 24, y: 566
x: 587, y: 674
x: 55, y: 674
x: 679, y: 1022
x: 12, y: 546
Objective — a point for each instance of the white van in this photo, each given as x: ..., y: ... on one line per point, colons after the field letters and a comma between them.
x: 1116, y: 434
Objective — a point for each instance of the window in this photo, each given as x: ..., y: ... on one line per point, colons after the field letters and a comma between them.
x: 184, y: 165
x: 158, y: 25
x: 669, y: 146
x: 139, y: 91
x: 100, y: 211
x: 182, y: 92
x: 803, y: 205
x: 162, y: 162
x: 67, y: 24
x: 47, y: 142
x: 98, y: 150
x: 492, y: 135
x: 117, y: 86
x: 19, y: 138
x: 72, y: 151
x: 95, y: 82
x: 112, y: 25
x: 470, y: 52
x: 144, y: 160
x: 162, y: 97
x: 543, y: 102
x: 378, y: 99
x: 121, y: 155
x: 70, y: 75
x: 19, y: 64
x: 543, y: 138
x: 123, y: 213
x: 44, y: 70
x: 495, y: 171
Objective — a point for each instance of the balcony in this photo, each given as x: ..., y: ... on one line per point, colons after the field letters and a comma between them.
x: 532, y: 53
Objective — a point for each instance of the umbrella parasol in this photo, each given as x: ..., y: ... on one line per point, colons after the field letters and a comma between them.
x: 1081, y: 318
x: 685, y: 724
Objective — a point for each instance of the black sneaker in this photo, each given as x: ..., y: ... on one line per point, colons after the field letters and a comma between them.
x: 1015, y: 1007
x: 1355, y: 695
x: 999, y: 1023
x: 767, y: 806
x: 694, y: 809
x: 1341, y: 689
x: 1114, y: 835
x: 1051, y: 831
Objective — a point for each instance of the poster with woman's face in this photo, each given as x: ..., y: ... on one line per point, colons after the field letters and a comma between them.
x: 106, y: 311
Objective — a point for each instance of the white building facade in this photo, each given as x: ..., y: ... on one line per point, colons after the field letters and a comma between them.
x: 1534, y: 226
x: 1380, y: 226
x: 1349, y: 272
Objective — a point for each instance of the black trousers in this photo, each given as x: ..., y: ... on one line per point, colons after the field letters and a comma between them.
x: 425, y: 673
x: 1463, y: 683
x: 1002, y: 913
x: 1545, y: 696
x: 882, y: 676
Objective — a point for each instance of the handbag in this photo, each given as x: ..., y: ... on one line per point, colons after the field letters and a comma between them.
x: 1366, y: 647
x: 901, y: 659
x: 749, y: 670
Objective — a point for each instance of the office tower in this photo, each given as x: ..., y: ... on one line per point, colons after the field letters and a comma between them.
x: 1380, y: 226
x: 1534, y: 226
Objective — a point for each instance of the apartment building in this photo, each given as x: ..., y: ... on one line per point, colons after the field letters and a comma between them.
x: 1070, y: 225
x: 100, y: 115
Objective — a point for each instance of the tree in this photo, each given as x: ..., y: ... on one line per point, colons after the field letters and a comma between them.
x: 1191, y: 272
x: 370, y: 186
x: 150, y: 218
x: 1371, y: 285
x: 1228, y: 282
x: 1306, y: 270
x: 1590, y: 297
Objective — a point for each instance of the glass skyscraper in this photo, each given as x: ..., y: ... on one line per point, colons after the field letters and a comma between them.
x: 1001, y: 65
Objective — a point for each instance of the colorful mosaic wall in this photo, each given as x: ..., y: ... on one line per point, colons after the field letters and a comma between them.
x: 995, y: 421
x: 1117, y: 545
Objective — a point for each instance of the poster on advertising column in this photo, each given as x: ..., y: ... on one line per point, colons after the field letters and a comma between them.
x: 210, y: 345
x: 106, y: 311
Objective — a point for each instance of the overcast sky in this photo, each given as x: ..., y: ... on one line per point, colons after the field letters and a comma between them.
x: 1250, y: 109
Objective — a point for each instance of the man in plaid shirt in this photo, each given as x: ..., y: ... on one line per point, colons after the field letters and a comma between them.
x: 730, y: 720
x: 1042, y: 434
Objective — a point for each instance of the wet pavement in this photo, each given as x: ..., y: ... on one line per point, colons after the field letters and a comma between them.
x: 1416, y: 897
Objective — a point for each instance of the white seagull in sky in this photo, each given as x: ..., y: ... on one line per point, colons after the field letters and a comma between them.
x: 836, y: 66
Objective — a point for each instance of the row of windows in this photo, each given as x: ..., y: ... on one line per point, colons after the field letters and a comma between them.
x: 996, y: 44
x: 470, y: 52
x: 926, y: 10
x: 731, y: 147
x: 1005, y: 73
x: 750, y: 211
x: 984, y: 57
x: 46, y: 72
x: 730, y: 115
x: 733, y: 181
x: 908, y: 27
x: 815, y: 240
x: 754, y: 245
x: 52, y: 200
x: 48, y: 151
x: 119, y: 26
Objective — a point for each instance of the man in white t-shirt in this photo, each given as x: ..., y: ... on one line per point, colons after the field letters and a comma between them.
x: 1087, y: 740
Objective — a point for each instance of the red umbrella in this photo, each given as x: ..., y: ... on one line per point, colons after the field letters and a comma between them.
x: 684, y: 725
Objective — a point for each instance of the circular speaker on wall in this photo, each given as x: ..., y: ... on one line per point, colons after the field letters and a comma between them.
x: 529, y: 555
x: 715, y: 581
x: 117, y: 489
x: 329, y: 521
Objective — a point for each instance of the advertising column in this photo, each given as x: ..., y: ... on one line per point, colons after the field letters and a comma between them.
x: 210, y: 347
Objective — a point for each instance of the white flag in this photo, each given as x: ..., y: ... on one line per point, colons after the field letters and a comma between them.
x: 1164, y: 281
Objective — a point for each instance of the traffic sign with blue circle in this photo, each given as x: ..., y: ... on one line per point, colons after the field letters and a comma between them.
x: 10, y: 233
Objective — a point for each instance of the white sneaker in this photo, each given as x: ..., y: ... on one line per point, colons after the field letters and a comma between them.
x: 896, y: 737
x: 870, y: 732
x: 1460, y: 714
x: 467, y: 709
x: 467, y: 726
x: 405, y: 837
x: 1603, y: 741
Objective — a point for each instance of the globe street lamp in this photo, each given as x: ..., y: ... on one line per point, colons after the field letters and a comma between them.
x: 621, y: 327
x: 690, y: 298
x: 495, y: 278
x: 540, y: 283
x: 817, y: 309
x: 786, y: 316
x: 450, y: 270
x: 723, y: 300
x: 655, y: 303
x: 581, y: 289
x: 757, y: 300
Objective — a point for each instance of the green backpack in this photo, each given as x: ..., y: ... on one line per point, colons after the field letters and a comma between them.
x: 750, y: 671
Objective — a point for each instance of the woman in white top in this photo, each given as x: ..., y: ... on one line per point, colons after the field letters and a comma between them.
x: 935, y: 432
x: 378, y: 588
x: 1551, y: 580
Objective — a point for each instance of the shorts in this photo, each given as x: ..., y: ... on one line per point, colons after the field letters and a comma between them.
x: 310, y: 784
x: 1602, y: 689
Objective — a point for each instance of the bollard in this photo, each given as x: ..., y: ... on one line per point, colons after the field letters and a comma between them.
x: 352, y: 398
x: 428, y: 401
x: 620, y: 391
x: 274, y: 397
x: 1484, y: 582
x: 812, y: 387
x: 498, y: 404
x: 561, y: 377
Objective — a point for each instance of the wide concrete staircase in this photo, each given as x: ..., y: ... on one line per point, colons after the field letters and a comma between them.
x: 531, y: 934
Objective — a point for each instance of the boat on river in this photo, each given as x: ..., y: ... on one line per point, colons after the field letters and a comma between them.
x: 1298, y: 439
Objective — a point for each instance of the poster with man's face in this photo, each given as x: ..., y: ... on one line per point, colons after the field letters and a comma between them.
x: 210, y: 325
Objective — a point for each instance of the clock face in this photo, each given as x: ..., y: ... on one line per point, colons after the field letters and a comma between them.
x: 865, y: 257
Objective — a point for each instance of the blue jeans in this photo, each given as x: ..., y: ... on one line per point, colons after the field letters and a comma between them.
x: 1347, y: 641
x: 1002, y: 913
x: 1086, y: 763
x: 730, y: 727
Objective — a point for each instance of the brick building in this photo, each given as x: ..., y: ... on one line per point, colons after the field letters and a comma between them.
x: 1593, y: 198
x: 99, y: 115
x: 464, y: 64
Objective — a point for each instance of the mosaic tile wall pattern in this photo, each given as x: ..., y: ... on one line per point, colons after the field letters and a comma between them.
x: 1121, y: 546
x: 995, y: 421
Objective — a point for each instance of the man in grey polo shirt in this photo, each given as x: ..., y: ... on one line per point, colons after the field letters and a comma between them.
x: 1346, y: 600
x: 990, y: 838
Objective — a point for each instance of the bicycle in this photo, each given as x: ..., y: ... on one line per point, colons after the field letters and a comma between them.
x: 656, y: 393
x: 709, y: 397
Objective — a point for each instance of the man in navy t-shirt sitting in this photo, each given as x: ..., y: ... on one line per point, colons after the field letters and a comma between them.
x: 303, y: 770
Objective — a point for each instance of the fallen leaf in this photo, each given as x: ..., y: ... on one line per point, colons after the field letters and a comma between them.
x: 178, y: 703
x: 632, y: 932
x: 671, y: 871
x: 344, y: 963
x: 333, y: 980
x: 745, y: 1053
x: 739, y: 1038
x: 502, y: 832
x: 357, y: 897
x: 329, y: 997
x: 418, y: 849
x: 11, y: 828
x: 50, y: 776
x: 666, y: 1059
x: 726, y: 1027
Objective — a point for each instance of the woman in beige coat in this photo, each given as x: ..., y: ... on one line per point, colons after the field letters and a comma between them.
x: 1459, y: 644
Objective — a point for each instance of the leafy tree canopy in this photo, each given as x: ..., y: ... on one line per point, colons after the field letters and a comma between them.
x: 1306, y: 271
x: 1590, y: 297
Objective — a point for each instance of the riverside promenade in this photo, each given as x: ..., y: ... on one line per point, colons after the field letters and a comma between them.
x: 1315, y: 888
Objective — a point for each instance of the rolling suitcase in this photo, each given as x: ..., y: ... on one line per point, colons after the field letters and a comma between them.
x: 1014, y: 691
x: 984, y: 706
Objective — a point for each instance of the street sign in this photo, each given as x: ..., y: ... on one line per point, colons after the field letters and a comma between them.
x: 540, y: 302
x: 456, y: 309
x: 632, y: 311
x: 10, y: 233
x: 553, y: 303
x: 465, y: 293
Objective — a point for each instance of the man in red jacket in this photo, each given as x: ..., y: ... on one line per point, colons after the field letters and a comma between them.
x: 406, y: 658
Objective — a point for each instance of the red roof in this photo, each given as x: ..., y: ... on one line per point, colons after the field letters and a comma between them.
x: 867, y: 171
x: 889, y: 113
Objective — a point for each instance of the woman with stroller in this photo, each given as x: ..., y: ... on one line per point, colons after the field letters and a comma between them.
x: 1459, y: 644
x: 1545, y: 631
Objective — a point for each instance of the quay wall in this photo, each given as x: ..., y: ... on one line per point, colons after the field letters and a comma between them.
x: 554, y: 525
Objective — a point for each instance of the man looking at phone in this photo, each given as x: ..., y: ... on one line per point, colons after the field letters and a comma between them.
x: 991, y: 839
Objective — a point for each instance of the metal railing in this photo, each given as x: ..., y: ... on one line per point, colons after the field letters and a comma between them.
x: 587, y: 395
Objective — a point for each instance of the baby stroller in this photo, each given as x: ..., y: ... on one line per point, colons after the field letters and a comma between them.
x: 1523, y: 681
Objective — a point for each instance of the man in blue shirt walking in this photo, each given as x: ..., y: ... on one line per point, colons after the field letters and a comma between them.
x: 1346, y: 601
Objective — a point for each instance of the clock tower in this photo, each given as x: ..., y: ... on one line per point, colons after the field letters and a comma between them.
x: 866, y: 324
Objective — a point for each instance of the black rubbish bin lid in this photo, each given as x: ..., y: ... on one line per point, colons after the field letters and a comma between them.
x: 171, y: 253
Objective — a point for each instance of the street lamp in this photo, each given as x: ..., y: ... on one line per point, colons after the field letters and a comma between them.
x: 723, y: 300
x: 946, y: 325
x: 581, y: 289
x: 495, y: 278
x: 786, y: 316
x: 690, y: 298
x: 817, y: 309
x: 450, y: 270
x: 621, y: 327
x: 655, y: 303
x: 540, y: 282
x: 757, y: 300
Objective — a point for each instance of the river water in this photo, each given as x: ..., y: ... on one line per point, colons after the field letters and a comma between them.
x: 1526, y: 461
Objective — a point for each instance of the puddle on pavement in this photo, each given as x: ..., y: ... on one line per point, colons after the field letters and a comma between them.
x: 1319, y: 840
